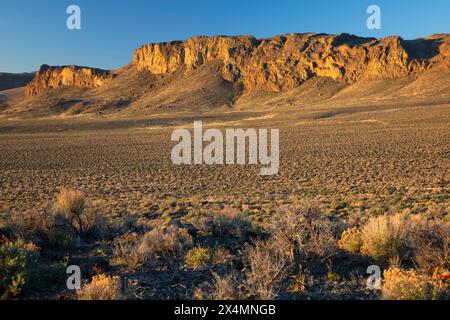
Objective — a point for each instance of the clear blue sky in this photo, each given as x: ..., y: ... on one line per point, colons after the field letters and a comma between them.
x: 33, y: 32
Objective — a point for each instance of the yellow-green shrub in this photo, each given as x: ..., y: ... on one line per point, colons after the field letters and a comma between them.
x: 351, y: 240
x: 402, y: 284
x: 102, y: 287
x: 17, y: 262
x: 198, y: 257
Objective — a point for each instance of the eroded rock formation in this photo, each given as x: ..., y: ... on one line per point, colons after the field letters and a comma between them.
x: 284, y: 62
x: 73, y: 76
x: 274, y: 64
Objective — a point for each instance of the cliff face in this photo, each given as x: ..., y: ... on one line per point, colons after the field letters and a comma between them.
x: 275, y: 64
x: 53, y: 77
x: 284, y: 62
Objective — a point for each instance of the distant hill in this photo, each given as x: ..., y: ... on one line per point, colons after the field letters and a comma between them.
x: 14, y: 80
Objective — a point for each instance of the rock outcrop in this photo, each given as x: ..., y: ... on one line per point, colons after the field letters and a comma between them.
x: 284, y: 62
x: 72, y: 76
x: 275, y: 64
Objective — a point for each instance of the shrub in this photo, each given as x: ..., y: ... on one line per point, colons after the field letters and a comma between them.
x: 350, y: 240
x: 102, y: 287
x: 18, y: 260
x: 431, y: 243
x: 165, y: 240
x: 227, y: 287
x: 56, y: 229
x: 304, y: 231
x: 230, y: 222
x: 198, y: 257
x: 301, y: 282
x: 126, y: 253
x: 94, y: 220
x: 43, y: 227
x: 71, y: 204
x: 385, y: 237
x: 85, y: 218
x: 402, y: 284
x: 265, y: 270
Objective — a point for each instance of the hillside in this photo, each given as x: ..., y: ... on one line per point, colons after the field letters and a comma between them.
x: 242, y: 71
x: 14, y: 80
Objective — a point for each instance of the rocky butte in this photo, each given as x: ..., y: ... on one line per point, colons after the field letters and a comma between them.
x: 71, y: 76
x: 274, y: 64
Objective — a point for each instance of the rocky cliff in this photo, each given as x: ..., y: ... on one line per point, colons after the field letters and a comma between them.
x: 284, y: 62
x: 53, y: 77
x: 275, y: 64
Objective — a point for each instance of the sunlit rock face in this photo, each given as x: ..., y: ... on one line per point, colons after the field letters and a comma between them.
x: 71, y: 76
x: 274, y: 64
x: 283, y: 62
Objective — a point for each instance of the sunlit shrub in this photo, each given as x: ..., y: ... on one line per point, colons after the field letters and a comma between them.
x: 402, y: 284
x: 102, y: 287
x: 198, y: 257
x: 165, y: 241
x: 350, y: 240
x: 386, y: 237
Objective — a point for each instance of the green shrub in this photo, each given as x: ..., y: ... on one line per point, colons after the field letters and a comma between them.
x: 198, y: 257
x: 18, y: 260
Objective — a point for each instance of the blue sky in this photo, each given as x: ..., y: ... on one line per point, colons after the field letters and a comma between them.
x: 33, y: 32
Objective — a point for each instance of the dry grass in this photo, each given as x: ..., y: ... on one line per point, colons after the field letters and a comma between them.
x: 102, y: 287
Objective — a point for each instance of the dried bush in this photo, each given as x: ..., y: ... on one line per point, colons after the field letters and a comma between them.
x: 126, y: 254
x: 230, y: 222
x: 402, y: 284
x: 102, y: 287
x: 304, y: 231
x: 60, y: 227
x: 85, y: 218
x: 95, y: 221
x: 44, y: 227
x: 71, y: 204
x: 18, y: 260
x: 350, y: 240
x: 165, y: 241
x: 266, y: 269
x: 431, y: 244
x: 227, y: 287
x: 386, y: 237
